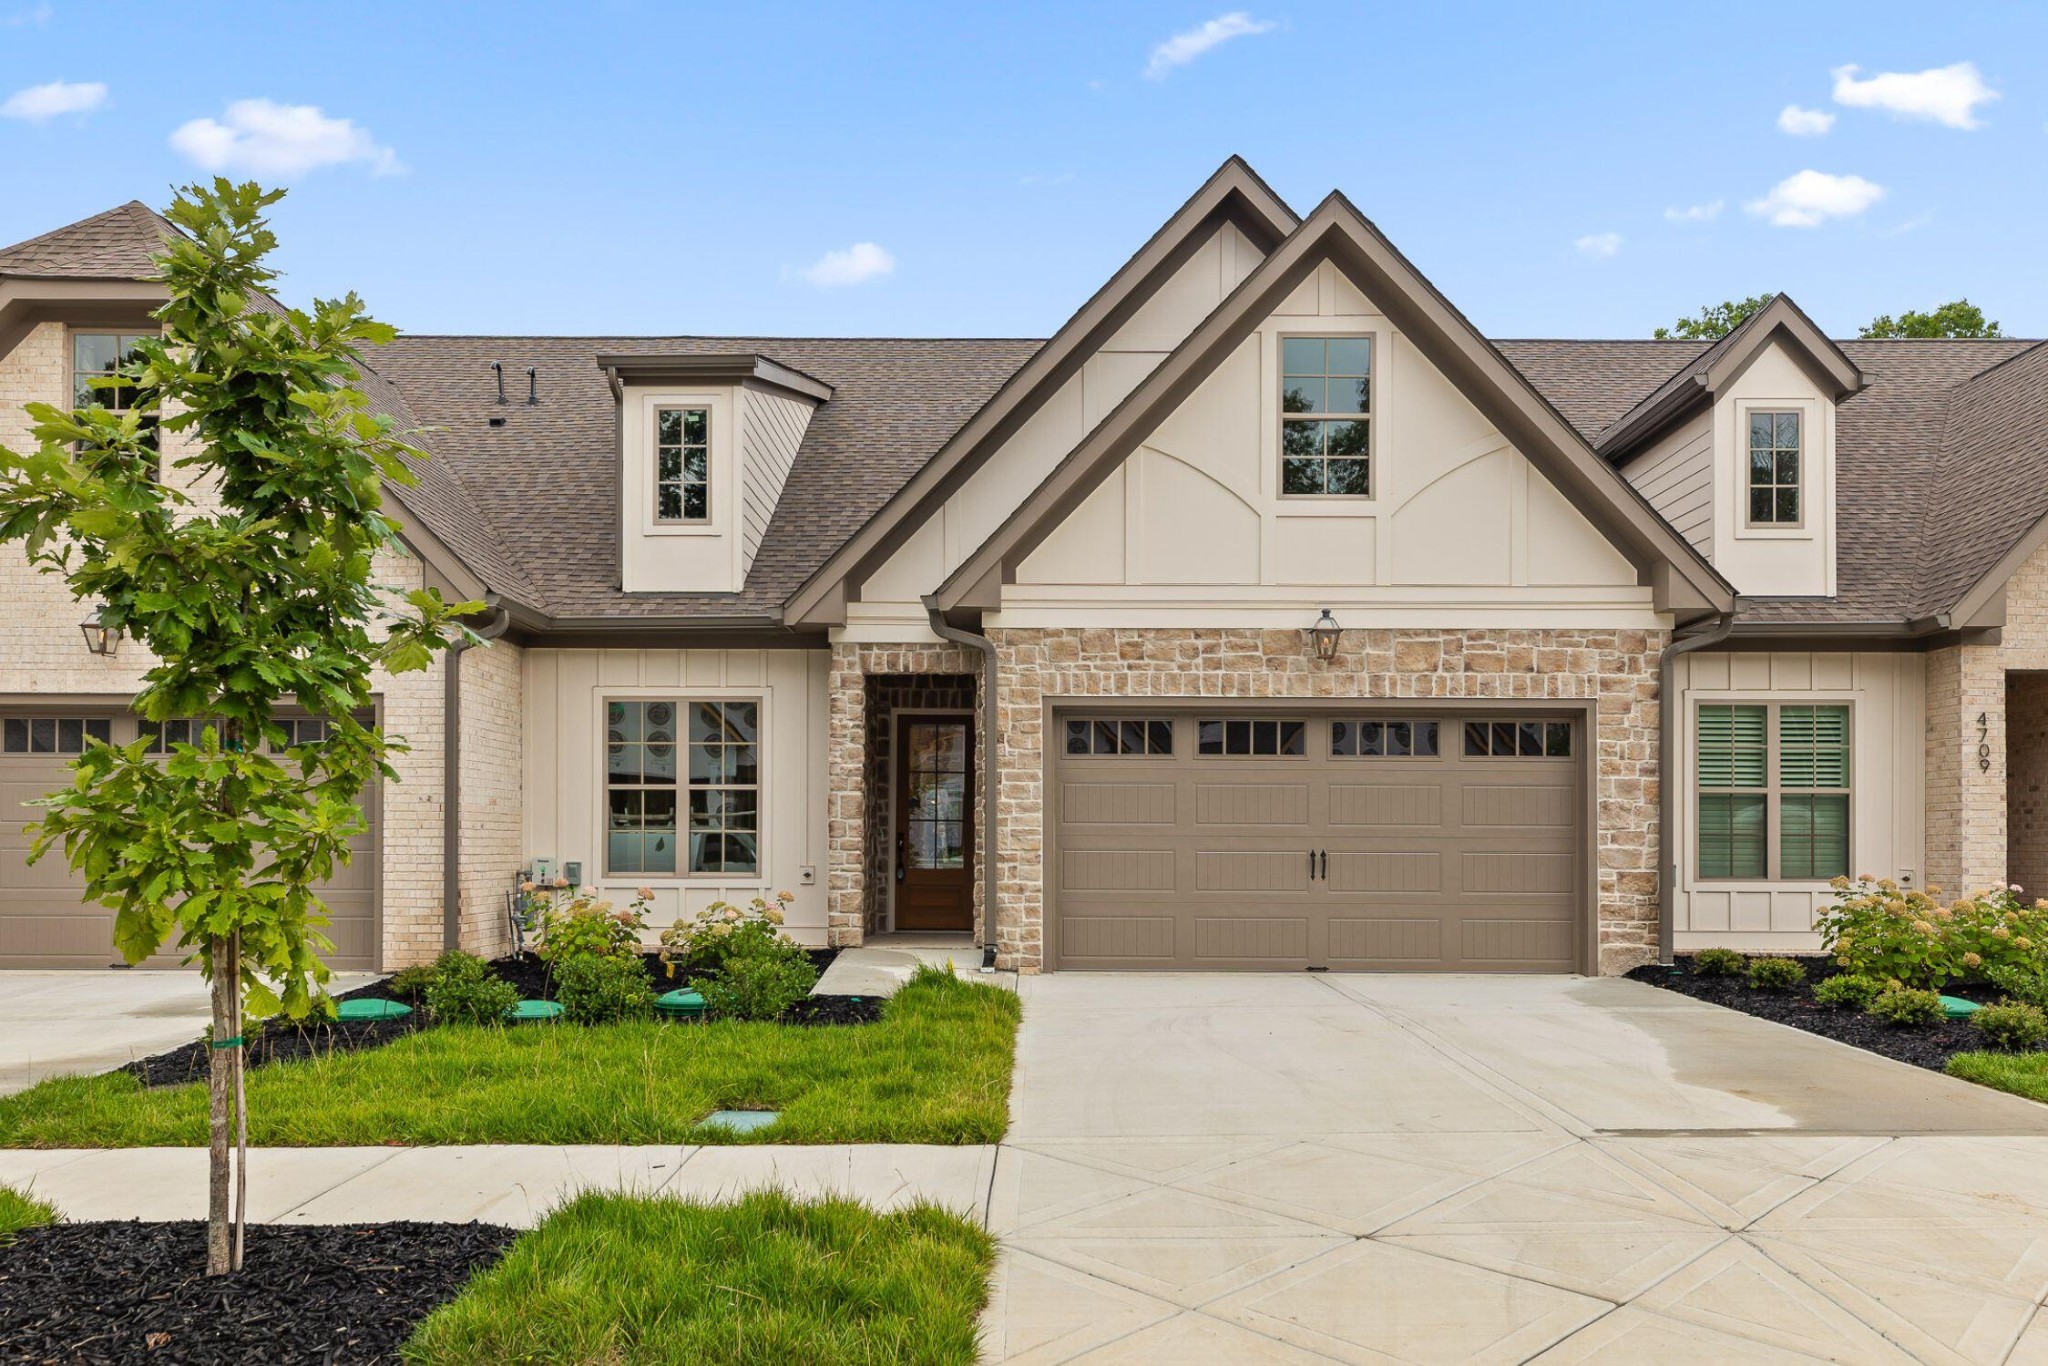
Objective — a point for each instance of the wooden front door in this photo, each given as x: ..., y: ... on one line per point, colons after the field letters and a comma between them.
x: 935, y: 823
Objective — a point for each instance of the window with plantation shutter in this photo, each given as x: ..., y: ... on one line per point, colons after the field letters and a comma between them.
x: 1772, y: 790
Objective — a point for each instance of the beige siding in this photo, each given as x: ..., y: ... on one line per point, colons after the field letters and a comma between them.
x: 564, y: 696
x: 1676, y: 475
x: 1888, y: 697
x: 772, y: 427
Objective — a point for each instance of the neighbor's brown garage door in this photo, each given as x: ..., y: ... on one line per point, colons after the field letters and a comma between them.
x: 44, y: 923
x: 1414, y: 840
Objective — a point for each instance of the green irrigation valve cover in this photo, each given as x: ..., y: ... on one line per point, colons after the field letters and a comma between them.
x: 373, y: 1008
x: 1956, y: 1008
x: 535, y: 1010
x: 679, y: 1003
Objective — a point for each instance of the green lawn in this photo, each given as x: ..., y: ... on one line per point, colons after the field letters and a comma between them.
x: 934, y: 1069
x: 19, y: 1212
x: 637, y: 1281
x: 2023, y: 1074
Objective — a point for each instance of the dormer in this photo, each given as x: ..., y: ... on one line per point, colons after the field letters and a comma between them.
x: 705, y: 444
x: 1737, y: 451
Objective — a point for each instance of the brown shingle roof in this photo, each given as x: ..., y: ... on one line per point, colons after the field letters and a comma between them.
x: 115, y: 245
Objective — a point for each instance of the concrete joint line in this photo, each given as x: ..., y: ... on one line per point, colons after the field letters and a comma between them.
x: 285, y: 1214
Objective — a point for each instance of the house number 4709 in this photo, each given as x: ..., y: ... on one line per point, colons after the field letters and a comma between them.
x: 1984, y: 742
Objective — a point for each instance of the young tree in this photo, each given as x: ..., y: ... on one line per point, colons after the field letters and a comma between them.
x: 1714, y: 321
x: 1960, y: 318
x: 256, y: 594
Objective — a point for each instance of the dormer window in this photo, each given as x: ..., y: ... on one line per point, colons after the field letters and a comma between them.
x: 682, y: 465
x: 1326, y: 417
x: 1774, y: 468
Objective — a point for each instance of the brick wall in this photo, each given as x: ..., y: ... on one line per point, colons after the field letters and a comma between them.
x: 1615, y: 669
x: 492, y: 791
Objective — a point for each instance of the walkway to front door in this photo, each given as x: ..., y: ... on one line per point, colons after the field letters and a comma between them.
x: 934, y: 824
x: 1294, y: 1168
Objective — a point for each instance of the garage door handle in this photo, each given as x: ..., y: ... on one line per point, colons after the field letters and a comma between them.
x: 1311, y: 865
x: 1325, y: 873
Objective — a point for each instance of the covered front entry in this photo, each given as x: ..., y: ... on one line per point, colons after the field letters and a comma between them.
x: 1402, y: 838
x: 45, y: 923
x: 934, y: 822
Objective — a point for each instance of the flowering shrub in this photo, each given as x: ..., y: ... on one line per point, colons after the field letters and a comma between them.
x: 1881, y: 930
x: 720, y: 929
x: 575, y: 923
x: 738, y: 959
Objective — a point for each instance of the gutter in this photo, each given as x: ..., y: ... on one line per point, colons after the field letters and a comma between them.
x: 1667, y: 786
x: 451, y: 781
x: 987, y: 848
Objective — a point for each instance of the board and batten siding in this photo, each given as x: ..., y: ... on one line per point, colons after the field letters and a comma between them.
x: 565, y: 693
x: 1887, y: 696
x: 1676, y: 476
x: 770, y: 432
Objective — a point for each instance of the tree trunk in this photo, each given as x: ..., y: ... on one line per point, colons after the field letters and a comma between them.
x: 240, y: 1053
x: 220, y: 1094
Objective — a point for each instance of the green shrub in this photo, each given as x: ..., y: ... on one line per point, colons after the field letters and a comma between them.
x: 760, y: 978
x: 699, y: 947
x: 1881, y: 930
x: 583, y: 926
x: 1718, y: 963
x: 2021, y: 984
x: 463, y: 990
x: 407, y: 984
x: 2012, y: 1025
x: 1848, y: 991
x: 1775, y: 974
x: 603, y: 988
x: 1906, y: 1006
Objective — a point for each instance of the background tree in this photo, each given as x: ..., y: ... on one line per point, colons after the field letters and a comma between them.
x: 260, y: 595
x: 1713, y: 321
x: 1958, y: 319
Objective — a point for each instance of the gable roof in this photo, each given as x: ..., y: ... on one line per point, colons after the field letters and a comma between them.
x: 1994, y: 448
x: 1234, y: 194
x: 1337, y: 232
x: 116, y: 245
x: 1706, y: 374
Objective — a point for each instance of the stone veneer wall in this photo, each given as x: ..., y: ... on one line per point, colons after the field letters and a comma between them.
x: 854, y: 814
x: 886, y: 695
x: 1617, y: 669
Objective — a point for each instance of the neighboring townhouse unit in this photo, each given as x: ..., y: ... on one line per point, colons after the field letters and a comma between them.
x: 1265, y: 616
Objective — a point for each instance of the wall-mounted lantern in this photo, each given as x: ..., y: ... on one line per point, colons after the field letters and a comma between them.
x: 1323, y: 636
x: 101, y: 639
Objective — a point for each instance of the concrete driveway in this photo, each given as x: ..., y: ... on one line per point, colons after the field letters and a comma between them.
x: 55, y: 1024
x: 1269, y: 1169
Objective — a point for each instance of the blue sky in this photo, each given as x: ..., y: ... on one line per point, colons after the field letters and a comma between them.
x: 640, y: 168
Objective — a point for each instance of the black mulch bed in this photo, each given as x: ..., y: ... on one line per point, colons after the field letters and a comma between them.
x: 131, y: 1292
x: 1929, y: 1046
x: 285, y: 1041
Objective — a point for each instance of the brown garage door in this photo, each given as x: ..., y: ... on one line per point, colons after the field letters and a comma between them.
x: 44, y: 923
x: 1385, y: 841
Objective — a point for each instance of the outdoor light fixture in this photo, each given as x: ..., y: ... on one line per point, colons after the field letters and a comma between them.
x: 1323, y: 636
x: 100, y: 638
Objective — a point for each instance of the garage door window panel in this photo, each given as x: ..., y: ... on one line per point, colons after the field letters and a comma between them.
x: 1375, y: 739
x: 53, y: 734
x: 1518, y: 739
x: 1104, y: 737
x: 1252, y: 737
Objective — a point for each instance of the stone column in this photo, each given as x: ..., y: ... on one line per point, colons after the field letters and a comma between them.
x: 846, y: 808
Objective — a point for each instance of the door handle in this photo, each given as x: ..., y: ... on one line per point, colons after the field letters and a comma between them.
x: 1311, y: 865
x: 1325, y: 873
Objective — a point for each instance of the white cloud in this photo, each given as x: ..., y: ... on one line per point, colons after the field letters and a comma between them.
x: 1810, y: 198
x: 856, y: 264
x: 1599, y: 245
x: 41, y: 102
x: 1948, y: 95
x: 261, y: 137
x: 1804, y: 123
x: 1183, y: 48
x: 1696, y: 213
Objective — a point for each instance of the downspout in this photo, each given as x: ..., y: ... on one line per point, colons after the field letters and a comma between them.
x: 986, y: 848
x: 1667, y: 775
x: 451, y: 780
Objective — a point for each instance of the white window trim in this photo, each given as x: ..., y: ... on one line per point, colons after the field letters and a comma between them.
x: 722, y: 467
x: 1688, y: 796
x: 1812, y: 433
x: 1287, y: 505
x: 600, y: 805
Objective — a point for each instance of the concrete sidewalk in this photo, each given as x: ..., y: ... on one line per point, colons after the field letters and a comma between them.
x: 511, y: 1184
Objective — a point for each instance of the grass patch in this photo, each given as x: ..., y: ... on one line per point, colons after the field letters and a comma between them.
x: 613, y: 1278
x: 934, y: 1069
x: 19, y: 1213
x: 2023, y: 1074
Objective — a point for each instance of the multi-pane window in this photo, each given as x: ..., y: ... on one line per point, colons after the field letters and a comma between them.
x: 53, y: 734
x: 1773, y: 790
x: 1383, y: 739
x: 96, y: 355
x: 1774, y: 454
x: 1231, y: 735
x: 647, y: 792
x: 1104, y: 736
x: 682, y: 464
x: 1326, y: 416
x: 161, y: 735
x: 1518, y: 739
